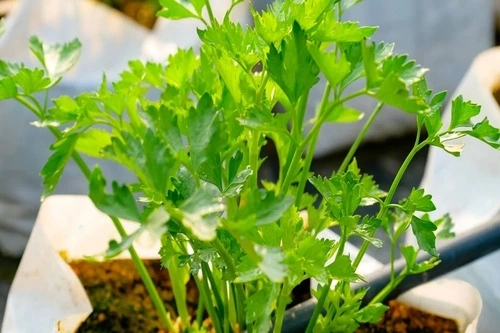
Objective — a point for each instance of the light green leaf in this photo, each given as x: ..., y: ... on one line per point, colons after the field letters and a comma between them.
x: 56, y: 58
x: 174, y: 10
x: 331, y: 30
x: 342, y: 270
x: 344, y: 114
x: 334, y: 70
x: 371, y: 313
x: 462, y: 112
x: 92, y: 142
x: 8, y: 88
x: 32, y: 81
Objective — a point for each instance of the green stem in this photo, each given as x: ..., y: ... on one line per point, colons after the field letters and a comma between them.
x: 207, y: 275
x: 254, y: 157
x: 360, y: 138
x: 319, y: 306
x: 291, y: 172
x: 389, y: 287
x: 310, y: 151
x: 202, y: 285
x: 141, y: 268
x: 179, y: 289
x: 199, y: 312
x: 210, y: 13
x: 390, y: 196
x: 280, y: 311
x: 231, y: 268
x: 239, y: 299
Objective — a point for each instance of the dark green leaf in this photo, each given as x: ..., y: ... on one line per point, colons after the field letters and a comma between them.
x: 92, y: 142
x: 418, y: 202
x: 120, y: 203
x: 344, y: 114
x: 487, y: 133
x: 293, y: 68
x: 8, y: 88
x: 53, y: 169
x: 424, y: 232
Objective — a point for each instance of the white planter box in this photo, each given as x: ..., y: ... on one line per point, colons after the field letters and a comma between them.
x: 469, y: 187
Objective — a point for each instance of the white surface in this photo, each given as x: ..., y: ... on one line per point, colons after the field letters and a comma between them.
x: 468, y: 187
x: 452, y: 299
x: 46, y: 296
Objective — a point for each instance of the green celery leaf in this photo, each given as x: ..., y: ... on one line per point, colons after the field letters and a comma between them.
x: 181, y: 67
x: 92, y: 142
x: 56, y: 58
x: 432, y: 120
x: 293, y: 68
x: 393, y: 91
x: 444, y: 227
x: 273, y: 25
x: 259, y: 308
x: 424, y: 232
x: 53, y: 169
x: 9, y: 68
x: 331, y: 30
x: 371, y: 313
x: 203, y: 124
x: 8, y: 88
x: 409, y: 72
x: 271, y: 263
x: 487, y: 133
x: 443, y: 142
x: 334, y: 70
x: 462, y: 112
x: 344, y: 114
x: 243, y: 45
x: 120, y: 203
x: 201, y: 212
x: 32, y: 81
x: 198, y: 5
x: 410, y: 255
x: 418, y: 202
x: 370, y: 64
x: 174, y: 10
x: 342, y: 270
x: 236, y: 184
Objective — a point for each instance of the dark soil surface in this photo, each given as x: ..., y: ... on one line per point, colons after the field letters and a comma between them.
x: 404, y: 319
x: 120, y: 300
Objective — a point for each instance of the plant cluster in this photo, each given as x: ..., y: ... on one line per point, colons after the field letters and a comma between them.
x: 191, y: 130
